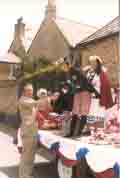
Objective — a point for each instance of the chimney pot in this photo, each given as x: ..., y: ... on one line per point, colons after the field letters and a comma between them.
x: 19, y: 29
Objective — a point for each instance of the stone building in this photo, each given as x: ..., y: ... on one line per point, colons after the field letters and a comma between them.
x: 8, y: 87
x: 104, y: 43
x: 7, y: 90
x: 53, y: 39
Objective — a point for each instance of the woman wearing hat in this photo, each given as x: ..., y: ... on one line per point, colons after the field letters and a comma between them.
x: 98, y: 77
x: 81, y: 103
x: 44, y: 108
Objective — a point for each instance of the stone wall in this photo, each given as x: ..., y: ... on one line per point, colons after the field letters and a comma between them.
x: 8, y: 97
x: 4, y: 71
x: 107, y: 49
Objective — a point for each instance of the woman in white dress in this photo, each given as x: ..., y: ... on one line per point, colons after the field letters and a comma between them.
x: 98, y: 77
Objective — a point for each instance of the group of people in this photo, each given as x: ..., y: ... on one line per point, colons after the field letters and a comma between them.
x: 83, y: 95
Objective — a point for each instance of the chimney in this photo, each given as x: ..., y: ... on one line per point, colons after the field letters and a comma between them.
x: 19, y: 30
x: 50, y: 12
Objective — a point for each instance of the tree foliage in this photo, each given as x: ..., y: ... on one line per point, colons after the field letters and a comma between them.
x: 33, y: 68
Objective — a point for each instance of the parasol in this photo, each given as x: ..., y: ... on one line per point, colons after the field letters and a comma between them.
x: 10, y: 58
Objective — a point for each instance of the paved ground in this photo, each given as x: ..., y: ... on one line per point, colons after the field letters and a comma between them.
x: 9, y: 159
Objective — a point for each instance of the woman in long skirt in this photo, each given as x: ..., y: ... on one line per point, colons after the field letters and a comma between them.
x: 98, y: 77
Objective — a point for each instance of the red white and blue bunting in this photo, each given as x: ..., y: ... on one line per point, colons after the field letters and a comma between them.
x: 99, y: 157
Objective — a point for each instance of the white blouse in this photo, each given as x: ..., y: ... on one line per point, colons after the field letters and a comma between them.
x: 96, y: 82
x: 94, y: 79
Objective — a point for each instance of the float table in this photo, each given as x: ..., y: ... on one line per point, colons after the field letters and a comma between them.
x: 70, y: 152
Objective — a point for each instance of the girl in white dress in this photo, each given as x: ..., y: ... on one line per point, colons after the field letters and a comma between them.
x: 97, y: 76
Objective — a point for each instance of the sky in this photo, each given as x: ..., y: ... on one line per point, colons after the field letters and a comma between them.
x: 92, y: 12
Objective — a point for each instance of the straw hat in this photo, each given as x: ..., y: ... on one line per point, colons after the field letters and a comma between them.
x: 95, y: 58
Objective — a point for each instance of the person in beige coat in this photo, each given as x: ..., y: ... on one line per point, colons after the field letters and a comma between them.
x: 28, y: 132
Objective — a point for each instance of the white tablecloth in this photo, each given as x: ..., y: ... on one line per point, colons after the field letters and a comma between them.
x: 99, y: 157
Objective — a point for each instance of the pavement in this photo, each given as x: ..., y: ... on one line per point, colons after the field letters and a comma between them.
x: 9, y: 161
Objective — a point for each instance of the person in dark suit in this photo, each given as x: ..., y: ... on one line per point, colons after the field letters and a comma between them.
x: 64, y: 101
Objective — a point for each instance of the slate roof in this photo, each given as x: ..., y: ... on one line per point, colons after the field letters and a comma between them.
x: 109, y: 29
x: 74, y: 32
